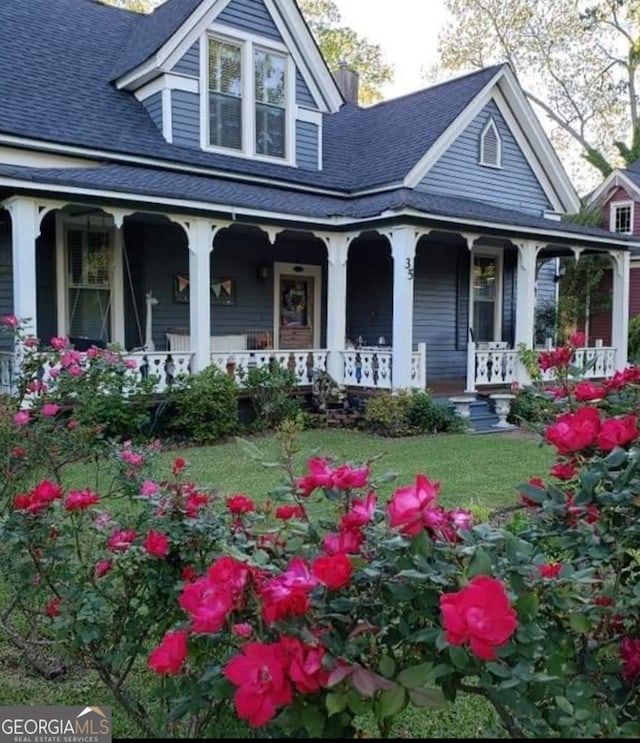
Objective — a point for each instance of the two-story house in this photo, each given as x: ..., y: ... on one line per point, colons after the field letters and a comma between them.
x: 197, y: 186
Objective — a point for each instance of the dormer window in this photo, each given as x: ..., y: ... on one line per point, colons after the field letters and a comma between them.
x: 490, y: 146
x: 621, y: 218
x: 249, y: 101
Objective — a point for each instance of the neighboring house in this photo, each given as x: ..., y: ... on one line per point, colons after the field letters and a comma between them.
x: 201, y: 163
x: 618, y: 197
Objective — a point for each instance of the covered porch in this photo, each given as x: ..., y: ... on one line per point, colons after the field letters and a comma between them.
x: 402, y: 302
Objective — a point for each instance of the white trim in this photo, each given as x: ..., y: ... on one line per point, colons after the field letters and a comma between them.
x: 292, y: 29
x: 62, y: 305
x: 169, y: 80
x: 146, y: 91
x: 167, y: 115
x: 491, y: 126
x: 233, y: 32
x: 31, y: 159
x: 613, y: 207
x: 487, y: 251
x: 117, y: 288
x: 308, y: 271
x: 335, y: 222
x: 526, y: 129
x: 306, y: 114
x: 615, y: 179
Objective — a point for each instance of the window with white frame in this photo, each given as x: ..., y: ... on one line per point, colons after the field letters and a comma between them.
x: 622, y: 217
x: 248, y: 98
x: 490, y: 145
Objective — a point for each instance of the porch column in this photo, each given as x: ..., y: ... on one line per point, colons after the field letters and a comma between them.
x: 620, y: 307
x: 25, y: 229
x: 337, y: 255
x: 403, y: 250
x: 526, y: 292
x: 200, y: 247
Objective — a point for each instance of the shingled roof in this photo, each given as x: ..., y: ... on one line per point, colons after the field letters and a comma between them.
x: 227, y: 194
x: 62, y: 91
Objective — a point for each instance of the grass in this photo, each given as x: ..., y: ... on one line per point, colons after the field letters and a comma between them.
x: 477, y: 472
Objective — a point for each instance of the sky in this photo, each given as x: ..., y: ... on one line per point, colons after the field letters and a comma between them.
x: 408, y: 35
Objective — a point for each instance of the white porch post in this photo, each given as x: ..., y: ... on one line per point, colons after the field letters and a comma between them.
x: 337, y: 255
x: 200, y: 246
x: 526, y: 292
x: 25, y: 229
x: 403, y: 250
x: 620, y: 307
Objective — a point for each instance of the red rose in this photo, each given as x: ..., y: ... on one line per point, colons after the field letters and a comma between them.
x: 169, y: 657
x: 587, y: 391
x: 408, y: 505
x: 103, y: 567
x: 575, y: 431
x: 576, y: 513
x: 348, y: 477
x: 240, y: 503
x: 334, y: 572
x: 564, y: 471
x: 479, y: 614
x: 284, y: 513
x: 557, y: 358
x: 263, y: 686
x: 52, y: 609
x: 346, y: 542
x: 178, y: 465
x: 535, y: 482
x: 630, y: 653
x: 361, y: 513
x: 617, y: 432
x: 320, y: 476
x: 242, y: 629
x: 578, y: 340
x: 120, y: 540
x: 304, y: 665
x: 156, y: 543
x: 80, y: 500
x: 550, y: 570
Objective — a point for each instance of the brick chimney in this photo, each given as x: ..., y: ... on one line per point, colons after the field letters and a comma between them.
x: 348, y: 82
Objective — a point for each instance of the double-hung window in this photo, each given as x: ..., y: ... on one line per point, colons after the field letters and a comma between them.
x: 622, y: 217
x: 247, y: 98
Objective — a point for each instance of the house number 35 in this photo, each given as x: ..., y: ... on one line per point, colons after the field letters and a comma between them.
x: 409, y: 266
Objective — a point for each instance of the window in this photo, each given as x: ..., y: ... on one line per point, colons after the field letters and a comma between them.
x: 270, y: 91
x: 487, y: 296
x: 225, y: 94
x: 490, y: 146
x: 622, y: 217
x: 247, y: 98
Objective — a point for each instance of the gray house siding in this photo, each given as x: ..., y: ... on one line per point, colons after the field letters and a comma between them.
x: 153, y: 106
x: 459, y: 173
x: 307, y: 145
x: 303, y: 94
x: 250, y: 15
x: 185, y: 112
x: 237, y: 256
x: 190, y: 63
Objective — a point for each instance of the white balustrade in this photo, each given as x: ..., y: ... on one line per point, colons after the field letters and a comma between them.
x: 7, y: 369
x: 595, y: 362
x: 419, y: 367
x: 367, y: 367
x: 301, y: 362
x: 496, y: 366
x: 165, y: 366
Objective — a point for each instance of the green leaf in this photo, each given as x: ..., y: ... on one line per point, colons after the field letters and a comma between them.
x: 391, y: 702
x: 458, y: 656
x: 427, y: 698
x: 313, y: 720
x: 416, y: 677
x: 500, y: 671
x: 616, y: 458
x: 387, y: 666
x: 580, y: 623
x: 564, y: 705
x: 480, y: 564
x: 249, y: 449
x: 527, y: 607
x: 335, y: 702
x: 533, y: 494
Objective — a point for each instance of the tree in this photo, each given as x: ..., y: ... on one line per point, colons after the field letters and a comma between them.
x: 342, y: 45
x: 577, y: 60
x: 339, y: 44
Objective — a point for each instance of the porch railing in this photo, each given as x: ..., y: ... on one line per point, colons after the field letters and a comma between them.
x: 7, y: 370
x: 166, y: 367
x: 371, y: 367
x: 301, y: 362
x: 595, y: 361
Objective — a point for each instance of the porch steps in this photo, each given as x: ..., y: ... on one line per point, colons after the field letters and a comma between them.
x: 482, y: 417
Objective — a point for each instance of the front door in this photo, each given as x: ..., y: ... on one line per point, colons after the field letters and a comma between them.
x: 486, y: 295
x: 297, y: 306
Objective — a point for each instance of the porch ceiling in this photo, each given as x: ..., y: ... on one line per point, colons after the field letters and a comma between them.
x: 180, y: 191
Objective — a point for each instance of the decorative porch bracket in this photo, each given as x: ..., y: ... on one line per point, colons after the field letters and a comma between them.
x: 200, y: 234
x: 337, y: 258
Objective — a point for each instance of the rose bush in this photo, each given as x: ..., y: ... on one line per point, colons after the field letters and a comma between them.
x: 302, y: 624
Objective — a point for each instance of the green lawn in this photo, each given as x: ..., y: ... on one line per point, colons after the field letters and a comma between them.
x: 477, y: 472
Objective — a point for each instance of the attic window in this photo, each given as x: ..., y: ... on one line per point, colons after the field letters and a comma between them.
x: 622, y: 217
x: 490, y: 146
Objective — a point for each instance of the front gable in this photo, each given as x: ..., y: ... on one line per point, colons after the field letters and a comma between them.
x: 251, y: 30
x: 463, y: 169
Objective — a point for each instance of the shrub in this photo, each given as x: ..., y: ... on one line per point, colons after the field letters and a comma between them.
x: 204, y: 406
x: 427, y: 416
x: 272, y: 389
x: 531, y: 406
x: 387, y: 414
x: 407, y: 413
x: 634, y: 339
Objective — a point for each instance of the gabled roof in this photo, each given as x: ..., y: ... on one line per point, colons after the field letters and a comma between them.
x: 219, y: 196
x: 627, y: 178
x: 151, y: 32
